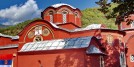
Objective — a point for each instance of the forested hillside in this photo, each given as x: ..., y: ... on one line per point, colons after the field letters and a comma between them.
x: 14, y: 30
x: 90, y: 16
x: 94, y: 15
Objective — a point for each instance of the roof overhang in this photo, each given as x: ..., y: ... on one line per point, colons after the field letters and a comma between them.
x: 10, y: 46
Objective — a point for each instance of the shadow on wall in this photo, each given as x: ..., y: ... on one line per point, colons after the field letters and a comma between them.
x: 70, y: 60
x: 113, y: 52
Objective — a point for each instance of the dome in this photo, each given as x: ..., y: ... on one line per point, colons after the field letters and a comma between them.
x: 61, y: 4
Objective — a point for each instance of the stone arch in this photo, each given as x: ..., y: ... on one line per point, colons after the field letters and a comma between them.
x: 130, y: 50
x: 43, y: 35
x: 60, y: 10
x: 47, y: 12
x: 127, y: 41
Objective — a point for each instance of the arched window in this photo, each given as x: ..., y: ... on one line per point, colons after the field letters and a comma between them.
x: 110, y: 39
x: 64, y: 16
x: 122, y: 59
x: 51, y: 16
x: 102, y: 61
x: 76, y: 16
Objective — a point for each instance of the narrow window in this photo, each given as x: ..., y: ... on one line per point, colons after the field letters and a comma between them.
x: 110, y: 39
x: 51, y: 16
x: 64, y: 15
x: 101, y: 61
x: 120, y: 41
x: 122, y: 59
x: 76, y: 16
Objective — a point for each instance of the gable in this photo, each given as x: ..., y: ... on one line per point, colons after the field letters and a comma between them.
x: 37, y: 31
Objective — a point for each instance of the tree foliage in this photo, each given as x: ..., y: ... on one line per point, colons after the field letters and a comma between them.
x: 104, y: 6
x: 123, y: 10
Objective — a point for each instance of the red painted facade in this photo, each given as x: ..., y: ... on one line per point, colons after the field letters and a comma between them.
x: 128, y: 39
x: 111, y: 43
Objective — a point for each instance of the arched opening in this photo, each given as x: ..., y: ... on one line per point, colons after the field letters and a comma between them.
x: 130, y: 51
x: 76, y: 16
x: 64, y: 16
x: 110, y: 39
x: 51, y: 16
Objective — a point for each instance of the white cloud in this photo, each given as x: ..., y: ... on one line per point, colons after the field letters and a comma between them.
x: 16, y: 14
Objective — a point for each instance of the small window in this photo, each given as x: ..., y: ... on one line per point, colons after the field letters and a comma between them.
x: 132, y: 24
x: 51, y: 16
x: 132, y: 58
x: 76, y: 16
x: 45, y: 32
x: 38, y: 38
x: 38, y: 30
x: 120, y: 41
x: 110, y: 39
x: 31, y: 34
x: 64, y: 16
x: 122, y: 59
x: 101, y: 61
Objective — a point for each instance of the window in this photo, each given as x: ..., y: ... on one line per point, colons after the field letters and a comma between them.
x: 51, y: 16
x: 38, y: 38
x: 45, y: 32
x: 64, y: 16
x: 31, y: 34
x: 38, y: 30
x: 110, y: 39
x: 132, y: 58
x: 122, y: 59
x: 120, y: 41
x: 132, y: 24
x: 76, y: 16
x: 101, y: 61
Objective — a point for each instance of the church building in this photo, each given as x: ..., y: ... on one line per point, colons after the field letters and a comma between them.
x: 58, y: 40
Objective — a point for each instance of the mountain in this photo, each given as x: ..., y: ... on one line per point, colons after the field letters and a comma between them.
x: 4, y: 26
x: 94, y: 15
x: 14, y: 30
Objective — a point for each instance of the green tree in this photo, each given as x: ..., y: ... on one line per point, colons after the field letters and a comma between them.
x: 95, y: 16
x: 123, y: 10
x: 104, y: 6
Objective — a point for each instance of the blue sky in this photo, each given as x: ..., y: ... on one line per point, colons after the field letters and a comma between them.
x: 16, y: 11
